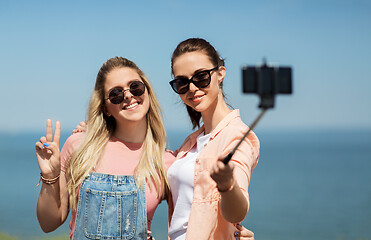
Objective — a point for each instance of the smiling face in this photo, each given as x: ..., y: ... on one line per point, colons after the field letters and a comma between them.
x: 133, y: 108
x: 200, y: 99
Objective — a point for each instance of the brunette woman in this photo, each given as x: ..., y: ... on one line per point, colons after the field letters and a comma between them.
x: 208, y: 197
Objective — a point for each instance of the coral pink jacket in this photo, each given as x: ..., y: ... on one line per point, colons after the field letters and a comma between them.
x: 205, y: 220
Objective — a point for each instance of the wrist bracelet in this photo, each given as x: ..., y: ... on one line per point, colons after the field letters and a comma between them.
x: 229, y: 189
x: 48, y: 181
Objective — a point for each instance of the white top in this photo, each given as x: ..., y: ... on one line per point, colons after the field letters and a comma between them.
x: 181, y: 179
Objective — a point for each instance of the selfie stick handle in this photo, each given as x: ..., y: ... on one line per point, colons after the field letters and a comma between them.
x: 229, y: 156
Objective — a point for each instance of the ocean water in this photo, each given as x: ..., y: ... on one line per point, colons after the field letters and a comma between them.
x: 307, y: 185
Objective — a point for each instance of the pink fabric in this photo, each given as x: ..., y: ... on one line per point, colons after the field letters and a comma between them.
x: 205, y: 220
x: 118, y: 158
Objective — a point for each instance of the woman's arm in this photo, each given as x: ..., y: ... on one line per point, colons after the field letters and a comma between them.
x: 52, y: 205
x: 233, y: 179
x: 233, y: 204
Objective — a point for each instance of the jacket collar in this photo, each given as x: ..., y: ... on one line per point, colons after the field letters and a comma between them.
x: 225, y: 121
x: 191, y: 140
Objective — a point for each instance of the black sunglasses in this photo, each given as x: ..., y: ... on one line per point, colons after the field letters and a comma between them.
x: 200, y: 79
x: 116, y: 95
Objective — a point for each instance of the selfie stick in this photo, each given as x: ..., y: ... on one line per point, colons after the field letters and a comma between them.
x: 229, y: 156
x: 266, y: 82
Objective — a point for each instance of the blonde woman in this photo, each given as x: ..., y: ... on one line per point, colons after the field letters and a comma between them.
x: 113, y: 176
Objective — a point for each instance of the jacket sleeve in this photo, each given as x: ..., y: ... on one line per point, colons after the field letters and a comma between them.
x: 245, y: 158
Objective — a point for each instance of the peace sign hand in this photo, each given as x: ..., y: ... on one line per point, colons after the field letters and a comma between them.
x: 47, y: 151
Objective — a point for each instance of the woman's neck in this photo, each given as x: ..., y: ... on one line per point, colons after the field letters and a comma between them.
x: 131, y: 131
x: 212, y: 116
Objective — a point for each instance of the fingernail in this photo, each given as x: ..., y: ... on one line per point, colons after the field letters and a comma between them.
x: 46, y: 144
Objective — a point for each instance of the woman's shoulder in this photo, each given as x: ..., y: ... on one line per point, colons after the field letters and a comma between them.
x: 75, y: 138
x: 73, y: 141
x: 69, y: 147
x: 169, y: 158
x: 236, y: 129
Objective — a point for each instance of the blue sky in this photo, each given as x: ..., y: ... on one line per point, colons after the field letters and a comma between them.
x: 51, y: 52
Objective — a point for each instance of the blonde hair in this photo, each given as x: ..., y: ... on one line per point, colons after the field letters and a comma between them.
x: 100, y: 127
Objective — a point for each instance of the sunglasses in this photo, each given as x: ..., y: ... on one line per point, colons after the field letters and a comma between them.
x: 117, y: 95
x: 200, y: 79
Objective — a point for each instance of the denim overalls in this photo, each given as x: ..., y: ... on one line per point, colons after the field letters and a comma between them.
x: 111, y: 207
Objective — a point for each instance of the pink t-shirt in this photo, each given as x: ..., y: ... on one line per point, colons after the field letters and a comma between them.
x: 118, y: 158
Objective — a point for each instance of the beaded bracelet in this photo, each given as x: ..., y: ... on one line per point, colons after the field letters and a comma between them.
x: 48, y: 181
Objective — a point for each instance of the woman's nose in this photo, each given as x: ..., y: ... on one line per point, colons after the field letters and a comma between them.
x: 127, y: 95
x: 192, y: 87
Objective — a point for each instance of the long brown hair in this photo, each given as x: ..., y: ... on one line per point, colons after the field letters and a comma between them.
x: 195, y: 45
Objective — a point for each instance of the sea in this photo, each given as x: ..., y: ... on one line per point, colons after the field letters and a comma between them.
x: 308, y: 184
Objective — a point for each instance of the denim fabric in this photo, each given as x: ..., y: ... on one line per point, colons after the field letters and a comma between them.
x: 111, y: 207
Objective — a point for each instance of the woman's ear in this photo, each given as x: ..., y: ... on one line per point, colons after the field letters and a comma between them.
x: 105, y: 110
x: 221, y: 74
